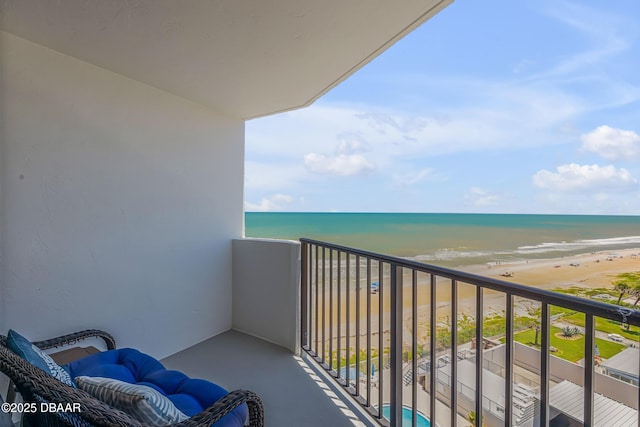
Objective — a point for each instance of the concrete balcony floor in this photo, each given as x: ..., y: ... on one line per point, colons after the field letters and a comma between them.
x: 293, y: 391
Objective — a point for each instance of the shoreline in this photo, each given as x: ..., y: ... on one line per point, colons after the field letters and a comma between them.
x: 589, y: 270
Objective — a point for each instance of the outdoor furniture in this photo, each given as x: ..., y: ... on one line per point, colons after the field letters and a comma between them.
x: 37, y: 387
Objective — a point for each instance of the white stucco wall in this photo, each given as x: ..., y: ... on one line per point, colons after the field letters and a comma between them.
x: 119, y: 203
x: 266, y: 290
x: 2, y: 168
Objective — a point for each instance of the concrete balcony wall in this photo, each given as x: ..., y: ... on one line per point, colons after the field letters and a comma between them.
x: 266, y: 290
x: 119, y: 204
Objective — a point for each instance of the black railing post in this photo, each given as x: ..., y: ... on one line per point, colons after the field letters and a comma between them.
x: 544, y: 366
x: 316, y: 285
x: 348, y: 319
x: 479, y: 354
x: 589, y: 343
x: 330, y: 309
x: 304, y: 299
x: 324, y: 311
x: 414, y: 346
x: 369, y: 364
x: 396, y: 346
x: 508, y: 377
x: 339, y: 290
x: 380, y: 338
x: 454, y: 353
x: 358, y: 290
x: 433, y: 374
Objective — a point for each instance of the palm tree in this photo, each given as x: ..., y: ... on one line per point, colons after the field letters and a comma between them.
x: 535, y: 315
x: 621, y: 287
x: 628, y: 283
x: 635, y: 292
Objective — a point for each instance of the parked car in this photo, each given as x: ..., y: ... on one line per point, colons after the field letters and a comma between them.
x: 616, y: 337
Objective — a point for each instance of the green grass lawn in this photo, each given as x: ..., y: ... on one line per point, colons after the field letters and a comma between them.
x: 571, y: 350
x: 605, y: 325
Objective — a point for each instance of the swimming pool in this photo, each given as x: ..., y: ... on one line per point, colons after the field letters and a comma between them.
x: 407, y: 415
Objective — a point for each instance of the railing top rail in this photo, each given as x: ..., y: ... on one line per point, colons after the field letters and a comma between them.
x: 600, y: 309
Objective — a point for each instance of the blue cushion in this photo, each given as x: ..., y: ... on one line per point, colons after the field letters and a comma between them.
x: 32, y: 354
x: 189, y: 395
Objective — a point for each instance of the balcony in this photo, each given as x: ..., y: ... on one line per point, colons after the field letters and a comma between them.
x: 122, y: 188
x: 369, y: 319
x: 303, y: 375
x: 350, y: 345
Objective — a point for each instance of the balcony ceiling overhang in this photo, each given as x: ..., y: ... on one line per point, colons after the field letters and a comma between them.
x: 239, y: 57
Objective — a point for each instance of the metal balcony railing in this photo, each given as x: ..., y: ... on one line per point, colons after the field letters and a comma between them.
x: 379, y: 324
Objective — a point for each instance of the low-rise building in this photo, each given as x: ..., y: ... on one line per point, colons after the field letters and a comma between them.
x: 624, y: 366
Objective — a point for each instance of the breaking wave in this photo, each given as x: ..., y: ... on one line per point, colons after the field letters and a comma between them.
x: 452, y: 254
x: 589, y: 244
x: 465, y: 256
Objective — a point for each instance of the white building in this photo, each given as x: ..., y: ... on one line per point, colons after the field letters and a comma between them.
x: 122, y: 147
x: 122, y: 169
x: 624, y: 366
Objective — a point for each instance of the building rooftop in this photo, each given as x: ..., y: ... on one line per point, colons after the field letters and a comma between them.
x: 568, y: 398
x: 627, y: 361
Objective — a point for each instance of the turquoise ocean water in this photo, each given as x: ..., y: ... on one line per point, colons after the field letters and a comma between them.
x: 454, y: 239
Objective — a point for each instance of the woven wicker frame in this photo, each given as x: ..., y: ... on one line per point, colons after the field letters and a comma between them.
x: 37, y: 386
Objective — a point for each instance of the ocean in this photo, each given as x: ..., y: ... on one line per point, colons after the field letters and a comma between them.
x: 454, y: 240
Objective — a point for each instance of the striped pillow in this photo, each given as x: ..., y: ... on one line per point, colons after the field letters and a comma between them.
x: 38, y: 358
x: 139, y: 401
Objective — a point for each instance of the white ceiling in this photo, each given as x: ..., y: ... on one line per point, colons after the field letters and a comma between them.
x: 244, y: 58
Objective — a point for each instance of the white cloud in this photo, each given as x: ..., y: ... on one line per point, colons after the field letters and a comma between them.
x: 341, y: 164
x: 612, y: 144
x: 492, y: 115
x: 408, y: 179
x: 351, y: 144
x: 272, y: 203
x: 585, y: 178
x: 482, y: 198
x: 601, y: 31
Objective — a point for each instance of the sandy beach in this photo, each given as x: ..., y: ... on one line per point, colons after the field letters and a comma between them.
x: 588, y: 271
x: 591, y: 270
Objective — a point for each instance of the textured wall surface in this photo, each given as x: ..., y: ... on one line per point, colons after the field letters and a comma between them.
x: 266, y: 290
x: 119, y: 203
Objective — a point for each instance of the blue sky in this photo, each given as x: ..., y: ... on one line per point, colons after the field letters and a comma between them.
x: 527, y: 106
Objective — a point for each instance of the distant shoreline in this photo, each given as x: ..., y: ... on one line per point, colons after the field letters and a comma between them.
x: 592, y: 270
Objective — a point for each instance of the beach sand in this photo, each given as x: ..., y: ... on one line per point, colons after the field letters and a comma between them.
x: 592, y: 270
x: 588, y: 271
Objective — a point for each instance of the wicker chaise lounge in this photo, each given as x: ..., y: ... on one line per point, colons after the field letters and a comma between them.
x: 37, y: 387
